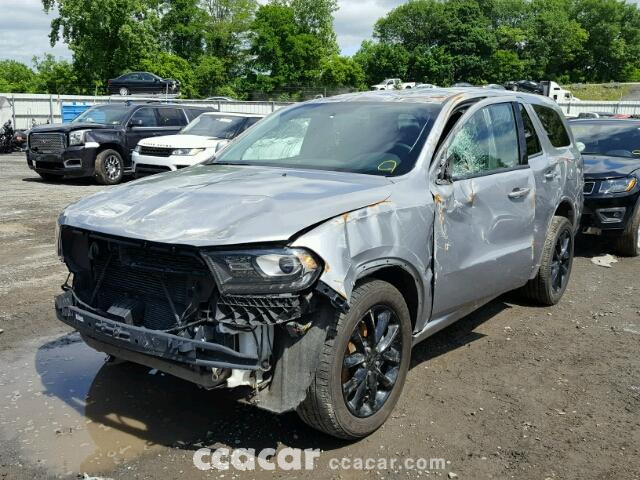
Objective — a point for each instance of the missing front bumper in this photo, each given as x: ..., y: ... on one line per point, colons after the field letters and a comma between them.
x: 151, y: 342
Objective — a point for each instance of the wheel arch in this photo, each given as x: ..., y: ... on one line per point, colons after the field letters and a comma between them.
x: 566, y: 209
x: 403, y: 277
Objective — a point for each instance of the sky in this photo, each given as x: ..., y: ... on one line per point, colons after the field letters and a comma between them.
x: 24, y: 27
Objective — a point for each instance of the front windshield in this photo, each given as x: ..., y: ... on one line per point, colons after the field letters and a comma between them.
x: 217, y: 126
x: 104, y: 114
x: 619, y: 139
x: 378, y: 138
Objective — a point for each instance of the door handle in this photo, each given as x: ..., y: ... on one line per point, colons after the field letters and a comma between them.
x: 550, y: 175
x: 519, y: 192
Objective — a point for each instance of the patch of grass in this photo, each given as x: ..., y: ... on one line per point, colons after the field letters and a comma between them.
x: 612, y: 91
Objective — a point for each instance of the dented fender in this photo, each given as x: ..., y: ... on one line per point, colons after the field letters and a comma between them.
x: 395, y: 232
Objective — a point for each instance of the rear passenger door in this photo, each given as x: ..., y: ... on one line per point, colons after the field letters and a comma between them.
x: 485, y: 207
x: 171, y: 120
x: 552, y: 161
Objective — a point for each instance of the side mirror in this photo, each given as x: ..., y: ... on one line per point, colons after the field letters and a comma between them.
x: 221, y: 144
x: 136, y: 123
x: 581, y: 146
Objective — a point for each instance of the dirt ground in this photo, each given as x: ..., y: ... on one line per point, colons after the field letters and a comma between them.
x: 512, y: 391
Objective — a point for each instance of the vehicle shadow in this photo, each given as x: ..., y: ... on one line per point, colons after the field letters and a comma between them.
x: 125, y: 400
x: 79, y: 182
x: 67, y: 181
x: 457, y: 335
x: 589, y: 246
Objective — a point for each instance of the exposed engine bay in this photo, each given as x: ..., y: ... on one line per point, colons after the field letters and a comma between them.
x: 185, y: 311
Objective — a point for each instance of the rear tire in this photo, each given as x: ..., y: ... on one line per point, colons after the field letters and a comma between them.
x: 109, y: 167
x: 352, y: 393
x: 549, y: 285
x: 123, y: 91
x: 628, y: 244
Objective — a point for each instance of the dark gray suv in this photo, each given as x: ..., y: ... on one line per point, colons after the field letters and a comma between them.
x: 307, y: 259
x: 99, y: 142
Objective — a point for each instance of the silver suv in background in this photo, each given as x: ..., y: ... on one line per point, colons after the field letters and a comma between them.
x: 307, y: 259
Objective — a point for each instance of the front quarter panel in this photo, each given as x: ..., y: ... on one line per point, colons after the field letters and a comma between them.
x: 394, y: 232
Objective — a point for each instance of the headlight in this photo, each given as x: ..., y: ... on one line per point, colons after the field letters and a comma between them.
x: 187, y: 151
x: 137, y: 148
x: 618, y: 185
x: 77, y: 137
x: 278, y: 270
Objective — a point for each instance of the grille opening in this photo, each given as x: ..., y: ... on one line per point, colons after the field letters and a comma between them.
x: 156, y: 151
x: 47, y: 142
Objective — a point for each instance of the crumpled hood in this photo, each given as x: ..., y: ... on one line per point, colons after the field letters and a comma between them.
x: 599, y: 166
x: 225, y: 205
x: 180, y: 141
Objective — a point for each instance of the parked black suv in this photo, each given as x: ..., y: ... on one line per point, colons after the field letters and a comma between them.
x: 611, y: 152
x: 99, y: 142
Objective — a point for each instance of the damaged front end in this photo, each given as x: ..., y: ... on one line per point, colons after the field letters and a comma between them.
x: 218, y: 318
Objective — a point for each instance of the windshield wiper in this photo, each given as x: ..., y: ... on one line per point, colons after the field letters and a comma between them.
x: 215, y: 162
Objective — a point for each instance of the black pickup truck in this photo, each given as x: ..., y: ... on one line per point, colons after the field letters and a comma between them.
x: 99, y: 142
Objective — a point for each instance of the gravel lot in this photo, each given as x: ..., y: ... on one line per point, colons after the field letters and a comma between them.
x: 512, y: 391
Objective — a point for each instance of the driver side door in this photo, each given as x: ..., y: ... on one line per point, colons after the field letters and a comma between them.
x: 485, y: 210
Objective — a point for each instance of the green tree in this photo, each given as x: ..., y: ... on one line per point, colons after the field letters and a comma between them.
x: 459, y: 30
x: 284, y: 55
x: 210, y: 76
x: 612, y: 49
x: 106, y: 37
x: 553, y: 40
x: 315, y: 17
x: 168, y: 65
x: 382, y: 60
x: 228, y: 27
x: 56, y: 76
x: 15, y: 77
x: 337, y: 72
x: 183, y: 24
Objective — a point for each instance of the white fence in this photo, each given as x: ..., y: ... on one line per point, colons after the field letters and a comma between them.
x: 26, y: 108
x: 575, y: 108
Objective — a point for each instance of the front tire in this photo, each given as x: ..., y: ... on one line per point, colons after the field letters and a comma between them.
x: 363, y: 364
x: 628, y: 244
x: 551, y: 282
x: 109, y: 168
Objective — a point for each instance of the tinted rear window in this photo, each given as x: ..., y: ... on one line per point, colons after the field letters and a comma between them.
x: 553, y: 125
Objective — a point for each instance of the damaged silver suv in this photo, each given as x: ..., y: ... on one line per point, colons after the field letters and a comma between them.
x: 306, y: 260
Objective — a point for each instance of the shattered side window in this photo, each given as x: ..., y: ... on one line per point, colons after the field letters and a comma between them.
x: 487, y: 142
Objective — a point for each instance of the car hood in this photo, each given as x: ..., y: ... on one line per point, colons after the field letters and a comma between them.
x: 225, y: 205
x: 600, y: 166
x: 69, y: 127
x: 180, y: 141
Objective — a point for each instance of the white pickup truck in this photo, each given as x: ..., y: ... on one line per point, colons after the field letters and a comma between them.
x: 393, y: 84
